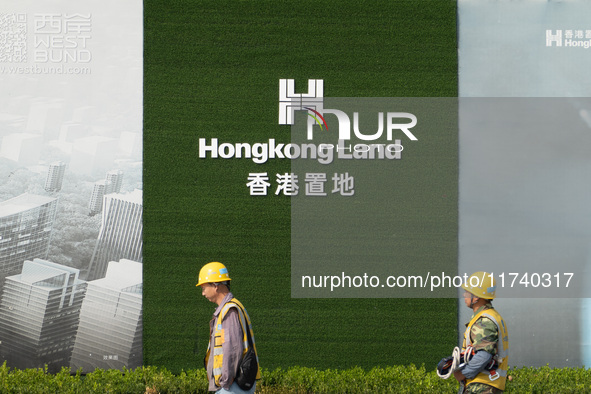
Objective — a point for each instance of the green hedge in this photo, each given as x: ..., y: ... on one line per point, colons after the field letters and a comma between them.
x: 395, y: 379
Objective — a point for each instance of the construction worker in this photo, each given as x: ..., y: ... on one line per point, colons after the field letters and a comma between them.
x: 231, y: 340
x: 486, y: 341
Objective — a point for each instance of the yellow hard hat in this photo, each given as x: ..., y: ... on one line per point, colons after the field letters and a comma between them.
x: 482, y: 286
x: 213, y: 272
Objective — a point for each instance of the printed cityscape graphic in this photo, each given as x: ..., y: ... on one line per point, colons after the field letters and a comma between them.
x: 71, y: 187
x: 61, y: 305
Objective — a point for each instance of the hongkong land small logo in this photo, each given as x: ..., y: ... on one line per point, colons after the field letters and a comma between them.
x: 569, y: 38
x: 313, y: 103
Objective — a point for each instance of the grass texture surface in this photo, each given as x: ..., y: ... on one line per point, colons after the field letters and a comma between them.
x: 211, y: 70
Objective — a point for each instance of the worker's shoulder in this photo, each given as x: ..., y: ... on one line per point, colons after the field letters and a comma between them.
x: 489, y: 317
x: 484, y: 326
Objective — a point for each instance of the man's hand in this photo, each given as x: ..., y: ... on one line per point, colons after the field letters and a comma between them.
x: 459, y: 375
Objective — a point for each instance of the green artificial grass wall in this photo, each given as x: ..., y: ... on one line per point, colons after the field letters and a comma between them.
x: 211, y: 69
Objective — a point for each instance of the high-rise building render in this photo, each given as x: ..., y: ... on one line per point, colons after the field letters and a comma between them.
x: 120, y: 235
x: 26, y: 224
x: 110, y: 329
x: 39, y: 311
x: 55, y: 176
x: 95, y: 205
x: 111, y: 184
x: 114, y: 181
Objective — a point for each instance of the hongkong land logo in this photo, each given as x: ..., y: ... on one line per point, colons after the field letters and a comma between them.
x: 569, y: 38
x: 366, y: 147
x: 313, y: 103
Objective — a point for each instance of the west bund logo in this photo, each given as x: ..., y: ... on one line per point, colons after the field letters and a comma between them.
x: 313, y: 103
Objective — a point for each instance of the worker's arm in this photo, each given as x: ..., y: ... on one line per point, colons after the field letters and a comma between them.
x: 233, y: 347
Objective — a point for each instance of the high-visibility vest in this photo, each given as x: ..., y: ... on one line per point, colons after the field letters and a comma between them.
x: 218, y: 334
x: 498, y: 377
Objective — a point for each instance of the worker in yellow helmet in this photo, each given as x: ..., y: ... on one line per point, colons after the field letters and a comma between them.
x: 234, y: 366
x: 486, y: 342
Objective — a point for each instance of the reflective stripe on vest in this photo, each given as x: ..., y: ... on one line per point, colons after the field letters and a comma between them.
x: 218, y: 353
x: 497, y: 378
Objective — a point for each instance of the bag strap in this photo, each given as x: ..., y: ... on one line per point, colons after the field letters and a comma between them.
x: 246, y: 321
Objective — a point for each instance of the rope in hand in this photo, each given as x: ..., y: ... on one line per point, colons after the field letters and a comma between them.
x: 449, y: 365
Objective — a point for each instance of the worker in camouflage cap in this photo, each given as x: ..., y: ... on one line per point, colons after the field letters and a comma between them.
x: 486, y: 341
